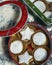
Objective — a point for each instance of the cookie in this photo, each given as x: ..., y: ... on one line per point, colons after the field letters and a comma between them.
x: 40, y: 5
x: 27, y: 33
x: 16, y: 47
x: 41, y: 54
x: 39, y: 38
x: 25, y: 58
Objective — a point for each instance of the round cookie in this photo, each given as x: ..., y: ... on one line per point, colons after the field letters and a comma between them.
x: 40, y: 54
x: 17, y: 39
x: 39, y: 38
x: 48, y: 14
x: 16, y: 47
x: 40, y: 5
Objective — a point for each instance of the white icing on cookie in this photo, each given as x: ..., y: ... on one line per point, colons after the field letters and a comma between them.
x: 27, y: 33
x: 40, y: 54
x: 25, y: 58
x: 39, y: 38
x: 40, y: 5
x: 16, y: 47
x: 48, y: 14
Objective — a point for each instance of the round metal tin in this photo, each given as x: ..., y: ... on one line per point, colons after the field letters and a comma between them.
x: 22, y: 21
x: 38, y: 27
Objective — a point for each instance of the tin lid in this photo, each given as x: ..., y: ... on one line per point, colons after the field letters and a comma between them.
x: 13, y: 17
